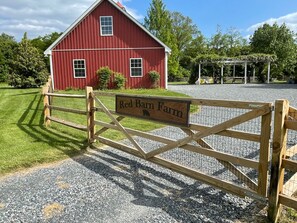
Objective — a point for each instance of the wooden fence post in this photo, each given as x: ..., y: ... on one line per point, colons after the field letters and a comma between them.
x: 90, y: 104
x: 278, y: 152
x: 46, y: 101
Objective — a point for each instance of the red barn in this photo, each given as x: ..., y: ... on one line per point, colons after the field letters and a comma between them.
x: 106, y: 35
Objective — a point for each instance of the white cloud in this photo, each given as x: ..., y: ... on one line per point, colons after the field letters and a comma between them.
x: 38, y: 18
x: 290, y: 20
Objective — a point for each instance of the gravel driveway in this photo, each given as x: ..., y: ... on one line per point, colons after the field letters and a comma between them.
x: 111, y: 186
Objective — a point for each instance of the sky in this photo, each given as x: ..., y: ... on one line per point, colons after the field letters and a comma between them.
x: 41, y: 17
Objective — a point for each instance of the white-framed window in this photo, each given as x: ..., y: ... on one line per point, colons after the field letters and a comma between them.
x: 79, y: 68
x: 136, y: 67
x: 106, y: 26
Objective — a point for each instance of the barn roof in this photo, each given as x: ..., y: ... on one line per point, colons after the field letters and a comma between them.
x: 88, y: 11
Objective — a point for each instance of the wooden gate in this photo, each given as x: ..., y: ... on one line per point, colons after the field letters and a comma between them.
x: 283, y: 182
x: 225, y: 144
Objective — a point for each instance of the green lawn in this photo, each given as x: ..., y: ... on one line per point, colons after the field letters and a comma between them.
x: 25, y: 141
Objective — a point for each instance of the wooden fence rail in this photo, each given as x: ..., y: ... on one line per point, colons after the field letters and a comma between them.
x: 285, y: 119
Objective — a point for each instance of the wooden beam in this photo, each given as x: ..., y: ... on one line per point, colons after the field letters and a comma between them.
x: 213, y: 130
x: 206, y: 102
x: 90, y: 104
x: 221, y: 184
x: 67, y: 123
x: 196, y: 149
x: 71, y: 110
x: 104, y: 129
x: 119, y: 125
x: 223, y: 156
x: 291, y: 124
x: 264, y: 154
x: 230, y: 133
x: 288, y: 201
x: 66, y: 95
x: 228, y: 165
x: 278, y: 152
x: 290, y: 165
x: 230, y: 104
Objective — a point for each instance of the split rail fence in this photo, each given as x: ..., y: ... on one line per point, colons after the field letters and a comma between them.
x: 226, y: 144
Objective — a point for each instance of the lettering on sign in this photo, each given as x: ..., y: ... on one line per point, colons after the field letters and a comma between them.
x: 154, y: 108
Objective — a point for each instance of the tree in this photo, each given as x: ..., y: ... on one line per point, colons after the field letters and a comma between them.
x: 278, y: 40
x: 236, y: 44
x: 28, y: 68
x: 196, y: 47
x: 8, y: 45
x: 43, y: 42
x: 218, y: 43
x: 158, y: 22
x: 184, y: 30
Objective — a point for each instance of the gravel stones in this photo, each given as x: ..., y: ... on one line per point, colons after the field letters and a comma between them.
x: 110, y: 186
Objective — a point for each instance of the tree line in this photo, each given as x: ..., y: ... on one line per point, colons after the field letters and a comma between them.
x: 24, y: 65
x: 188, y: 43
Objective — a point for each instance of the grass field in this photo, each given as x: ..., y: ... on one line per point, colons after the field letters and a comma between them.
x: 26, y: 142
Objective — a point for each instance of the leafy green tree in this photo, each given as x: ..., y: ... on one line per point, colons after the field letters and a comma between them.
x: 28, y: 68
x: 218, y: 43
x: 196, y: 47
x: 278, y: 40
x: 7, y: 46
x: 235, y: 42
x: 43, y: 42
x: 184, y: 30
x: 159, y: 23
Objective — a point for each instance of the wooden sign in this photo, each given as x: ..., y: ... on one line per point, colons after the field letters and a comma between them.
x: 158, y: 109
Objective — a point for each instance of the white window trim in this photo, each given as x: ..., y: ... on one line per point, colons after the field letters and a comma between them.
x: 136, y: 67
x: 75, y: 68
x: 101, y: 26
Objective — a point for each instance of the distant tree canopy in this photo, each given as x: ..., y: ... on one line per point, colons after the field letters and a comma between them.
x: 188, y: 45
x: 43, y: 42
x: 159, y: 23
x: 27, y: 68
x: 278, y: 40
x: 7, y: 46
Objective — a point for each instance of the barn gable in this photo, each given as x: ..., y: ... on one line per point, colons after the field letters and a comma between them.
x: 87, y: 24
x: 106, y: 35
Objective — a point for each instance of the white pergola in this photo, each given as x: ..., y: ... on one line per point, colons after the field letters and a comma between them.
x: 234, y: 63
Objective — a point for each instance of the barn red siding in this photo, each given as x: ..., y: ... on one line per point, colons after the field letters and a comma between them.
x: 126, y: 34
x: 117, y: 60
x: 128, y: 41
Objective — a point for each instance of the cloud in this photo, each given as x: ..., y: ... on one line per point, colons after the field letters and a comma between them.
x: 38, y: 18
x: 290, y: 20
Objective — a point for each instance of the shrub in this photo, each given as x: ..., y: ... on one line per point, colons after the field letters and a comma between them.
x: 119, y: 80
x: 104, y: 74
x: 28, y: 68
x: 154, y: 77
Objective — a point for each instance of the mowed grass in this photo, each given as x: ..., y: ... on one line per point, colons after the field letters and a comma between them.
x: 26, y: 142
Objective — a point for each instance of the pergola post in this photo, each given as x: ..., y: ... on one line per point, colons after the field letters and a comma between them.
x: 268, y: 73
x: 199, y: 74
x: 245, y: 72
x: 222, y: 73
x: 254, y: 74
x: 233, y: 70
